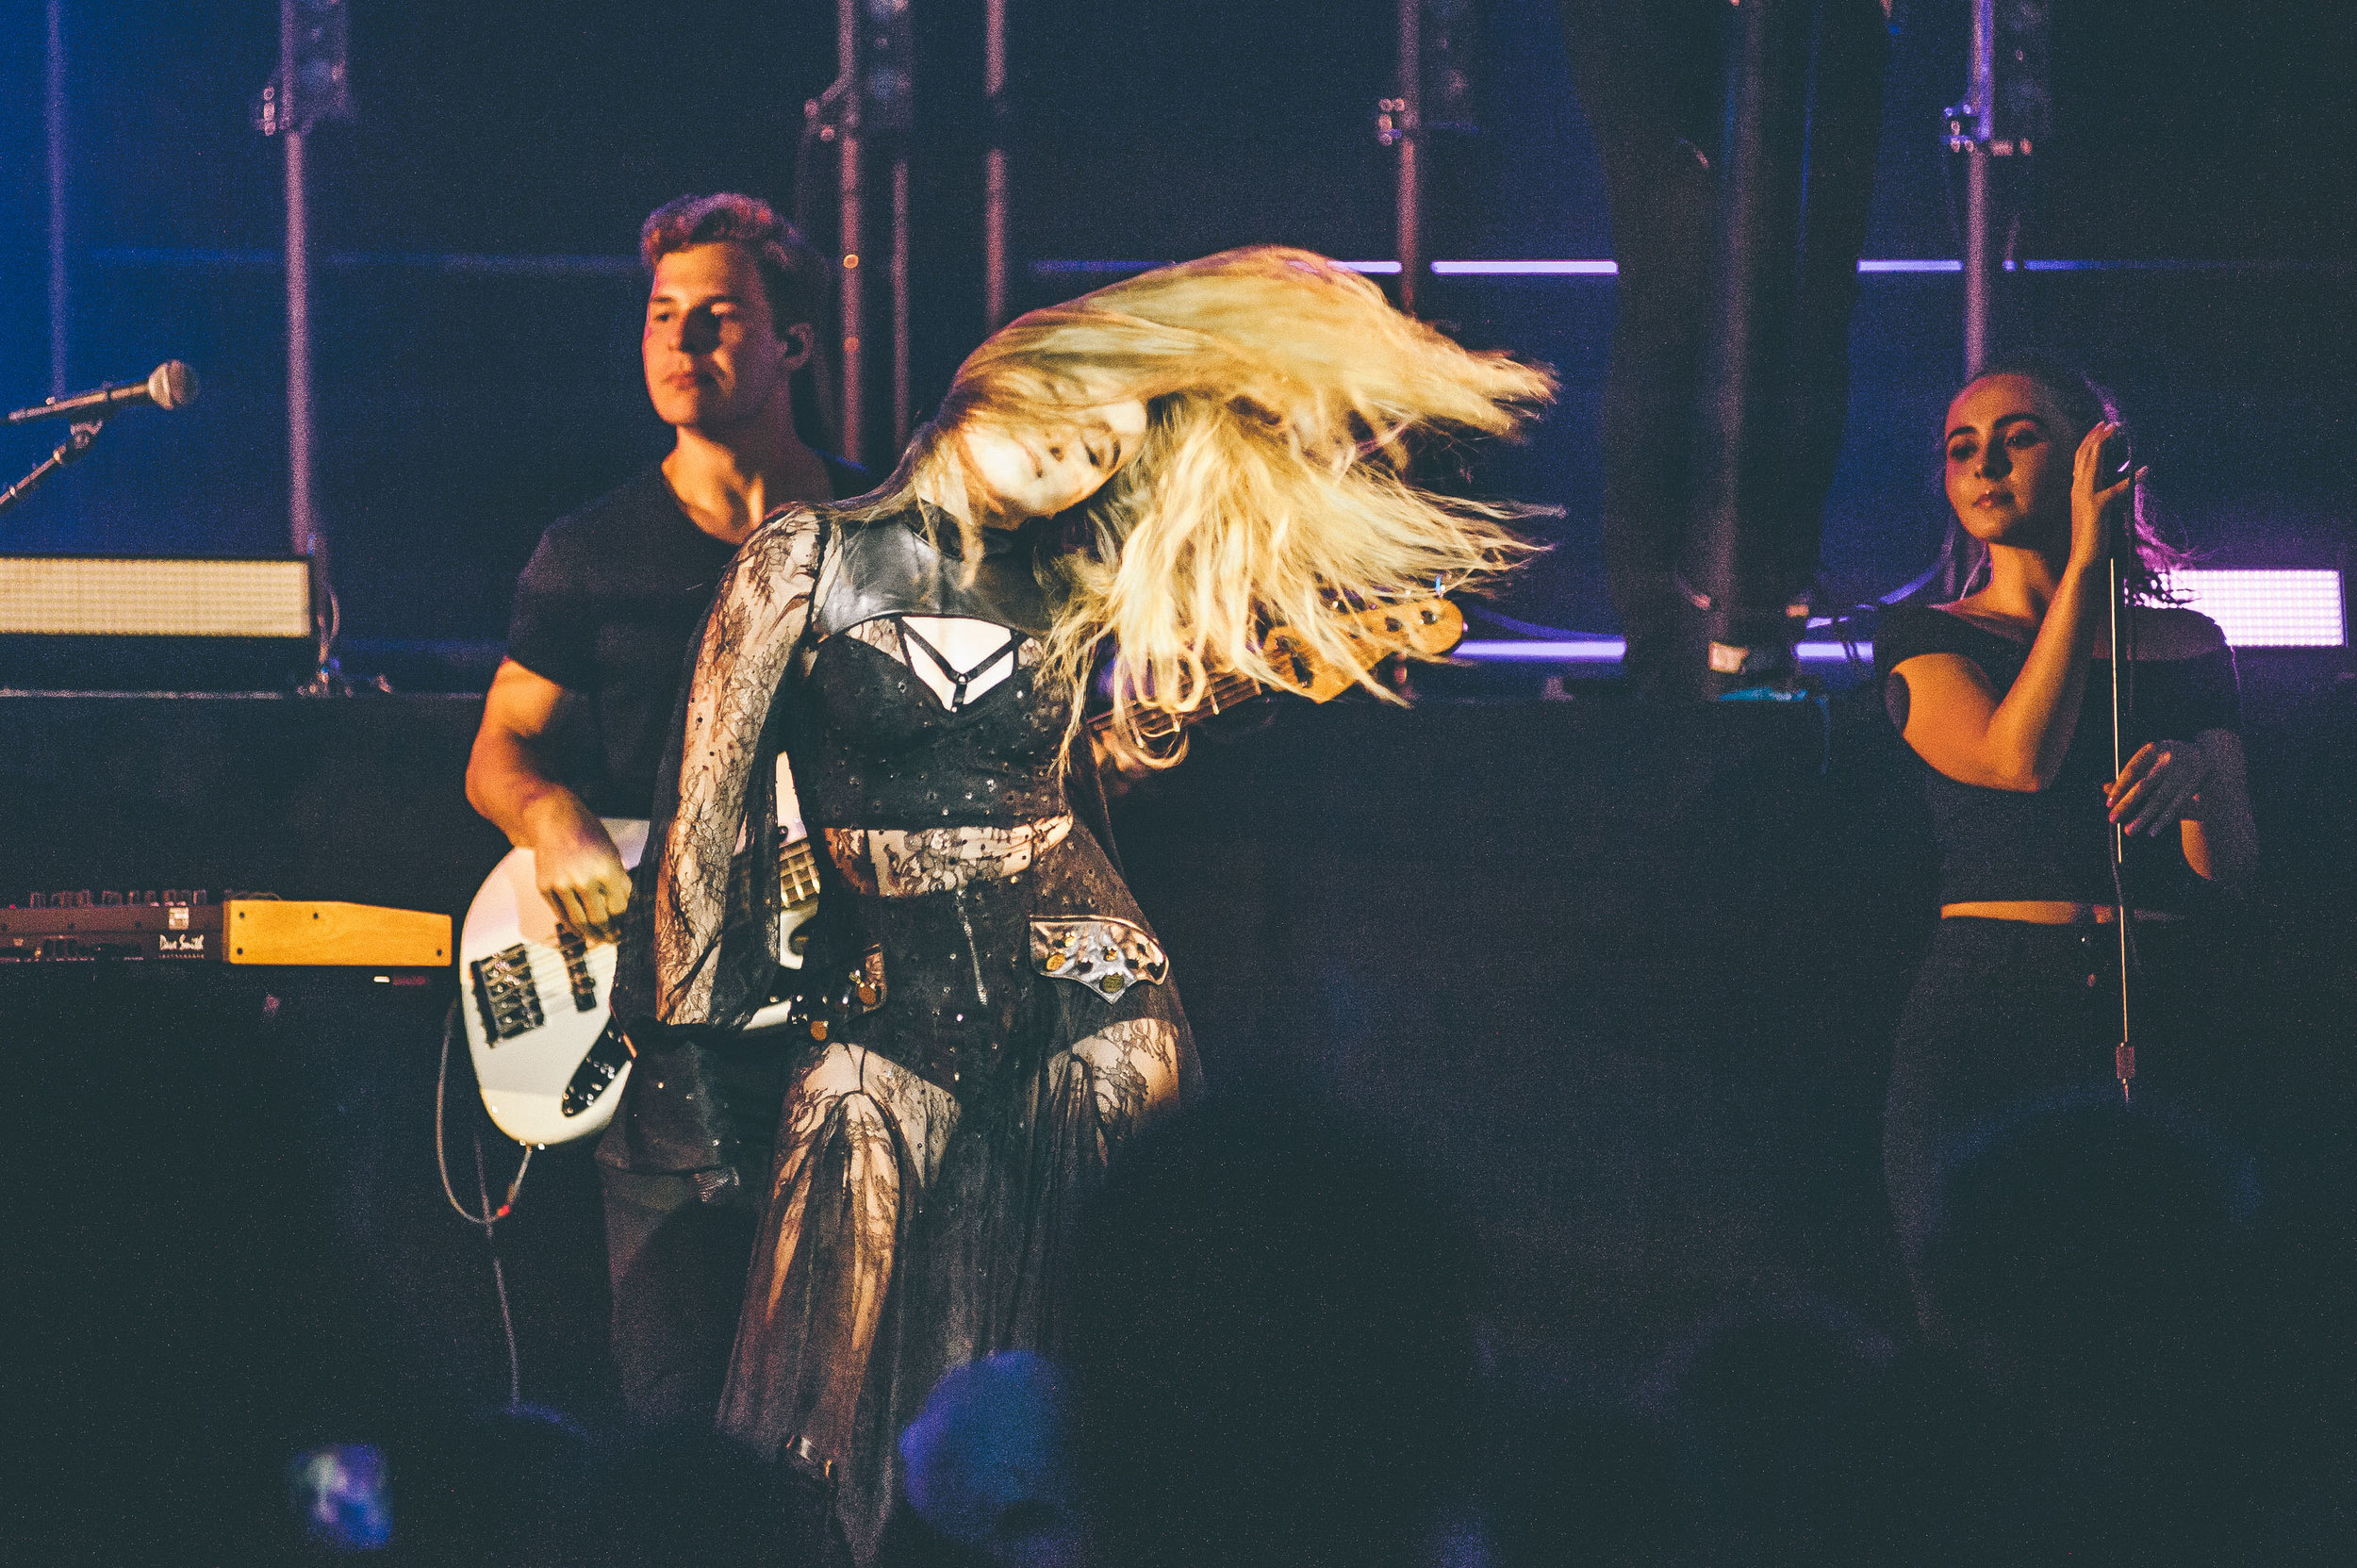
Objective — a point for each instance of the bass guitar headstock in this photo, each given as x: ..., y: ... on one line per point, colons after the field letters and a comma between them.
x: 1429, y: 627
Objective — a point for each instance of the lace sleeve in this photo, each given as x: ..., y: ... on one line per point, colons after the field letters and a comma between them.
x: 757, y: 617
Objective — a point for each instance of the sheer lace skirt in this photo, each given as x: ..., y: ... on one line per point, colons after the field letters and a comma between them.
x: 920, y: 1210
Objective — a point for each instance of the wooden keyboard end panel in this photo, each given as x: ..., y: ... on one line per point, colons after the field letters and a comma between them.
x: 299, y: 931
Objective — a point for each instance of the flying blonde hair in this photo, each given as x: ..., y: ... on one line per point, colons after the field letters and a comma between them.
x: 1281, y: 391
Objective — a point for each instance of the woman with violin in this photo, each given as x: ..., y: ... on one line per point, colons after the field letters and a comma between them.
x: 2004, y: 695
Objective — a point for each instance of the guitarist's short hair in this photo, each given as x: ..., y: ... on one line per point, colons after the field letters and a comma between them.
x: 794, y: 276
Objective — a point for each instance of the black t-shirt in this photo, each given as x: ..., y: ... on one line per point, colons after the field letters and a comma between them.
x: 2056, y: 843
x: 608, y: 607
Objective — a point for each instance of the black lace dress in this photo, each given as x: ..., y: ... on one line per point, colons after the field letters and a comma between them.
x: 1005, y: 1017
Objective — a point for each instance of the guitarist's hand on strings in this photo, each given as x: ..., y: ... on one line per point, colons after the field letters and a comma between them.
x: 2160, y: 786
x: 576, y: 866
x: 1115, y: 772
x: 507, y: 781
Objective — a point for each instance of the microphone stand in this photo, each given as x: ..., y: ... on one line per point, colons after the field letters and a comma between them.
x: 85, y: 433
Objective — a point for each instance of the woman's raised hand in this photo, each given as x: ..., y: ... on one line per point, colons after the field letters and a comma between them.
x: 2092, y: 509
x: 2158, y: 787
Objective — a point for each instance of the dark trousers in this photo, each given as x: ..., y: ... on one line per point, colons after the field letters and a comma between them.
x: 1652, y: 75
x: 677, y: 1262
x: 677, y: 1268
x: 2008, y: 1019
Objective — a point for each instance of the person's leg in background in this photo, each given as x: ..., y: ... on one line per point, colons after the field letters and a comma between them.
x: 1845, y: 129
x: 1649, y: 73
x: 677, y: 1265
x: 1652, y: 79
x: 679, y: 1245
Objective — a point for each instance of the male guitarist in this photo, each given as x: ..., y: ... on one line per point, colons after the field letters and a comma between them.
x: 605, y: 614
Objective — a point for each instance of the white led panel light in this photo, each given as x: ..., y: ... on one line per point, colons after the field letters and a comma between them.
x: 2268, y: 608
x: 122, y: 596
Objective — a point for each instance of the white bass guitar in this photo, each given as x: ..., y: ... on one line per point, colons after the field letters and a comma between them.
x: 548, y: 1060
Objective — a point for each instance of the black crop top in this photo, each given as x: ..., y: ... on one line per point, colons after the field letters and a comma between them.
x: 2001, y: 844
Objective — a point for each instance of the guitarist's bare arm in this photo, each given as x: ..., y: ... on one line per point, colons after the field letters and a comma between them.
x: 576, y: 866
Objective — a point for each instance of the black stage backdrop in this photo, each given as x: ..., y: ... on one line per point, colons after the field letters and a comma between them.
x: 475, y: 311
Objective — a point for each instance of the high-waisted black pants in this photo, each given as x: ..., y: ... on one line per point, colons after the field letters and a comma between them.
x: 2008, y: 1018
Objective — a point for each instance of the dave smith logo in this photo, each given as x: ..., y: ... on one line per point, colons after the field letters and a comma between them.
x: 185, y: 943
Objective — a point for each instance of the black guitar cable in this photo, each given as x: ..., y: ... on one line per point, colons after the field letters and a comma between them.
x: 488, y: 1219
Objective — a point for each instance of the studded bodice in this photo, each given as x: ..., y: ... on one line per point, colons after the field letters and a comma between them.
x: 873, y: 744
x: 873, y: 747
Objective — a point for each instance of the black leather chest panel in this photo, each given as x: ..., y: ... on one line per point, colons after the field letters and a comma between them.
x: 888, y: 567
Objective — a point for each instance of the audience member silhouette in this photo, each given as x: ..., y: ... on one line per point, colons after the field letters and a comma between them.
x: 1271, y: 1351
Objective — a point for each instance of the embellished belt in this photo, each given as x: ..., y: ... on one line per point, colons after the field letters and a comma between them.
x: 1097, y: 952
x: 903, y: 862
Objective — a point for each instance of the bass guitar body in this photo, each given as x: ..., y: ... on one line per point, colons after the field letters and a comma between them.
x: 547, y: 1056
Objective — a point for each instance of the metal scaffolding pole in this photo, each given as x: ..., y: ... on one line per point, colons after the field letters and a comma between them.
x: 995, y: 166
x: 1980, y: 249
x: 302, y: 516
x: 1407, y: 133
x: 899, y: 301
x: 851, y: 212
x: 303, y: 520
x: 60, y: 340
x: 310, y: 87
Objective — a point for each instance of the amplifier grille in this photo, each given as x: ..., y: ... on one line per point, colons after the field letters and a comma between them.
x: 132, y: 595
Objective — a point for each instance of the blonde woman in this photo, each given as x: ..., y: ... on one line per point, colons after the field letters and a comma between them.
x: 1144, y: 480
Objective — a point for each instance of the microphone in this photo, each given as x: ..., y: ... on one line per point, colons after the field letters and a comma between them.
x: 171, y: 386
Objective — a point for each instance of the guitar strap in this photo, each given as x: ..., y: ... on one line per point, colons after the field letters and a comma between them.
x: 791, y: 828
x: 786, y: 808
x: 1084, y: 791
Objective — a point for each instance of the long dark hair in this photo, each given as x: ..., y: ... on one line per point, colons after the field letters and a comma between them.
x: 2083, y: 403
